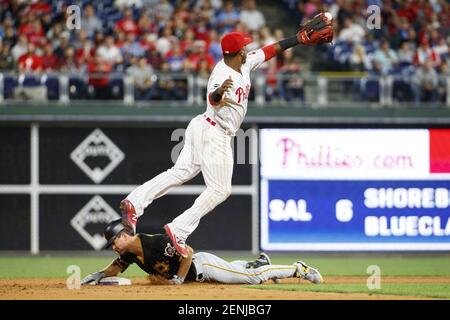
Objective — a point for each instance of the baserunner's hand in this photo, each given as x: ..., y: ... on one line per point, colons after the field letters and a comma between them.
x: 93, y: 278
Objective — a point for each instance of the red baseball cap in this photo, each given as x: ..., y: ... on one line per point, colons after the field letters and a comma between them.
x: 233, y: 42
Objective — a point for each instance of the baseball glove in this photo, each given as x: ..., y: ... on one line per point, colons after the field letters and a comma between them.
x: 316, y: 31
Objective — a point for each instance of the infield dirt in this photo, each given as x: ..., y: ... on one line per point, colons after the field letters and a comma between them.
x: 55, y: 289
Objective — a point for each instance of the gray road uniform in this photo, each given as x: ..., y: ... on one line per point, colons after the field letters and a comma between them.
x: 161, y: 258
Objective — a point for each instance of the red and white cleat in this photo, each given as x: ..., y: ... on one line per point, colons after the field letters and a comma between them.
x: 129, y: 215
x: 178, y: 243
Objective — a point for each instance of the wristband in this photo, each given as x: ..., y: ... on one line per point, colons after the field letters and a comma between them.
x: 288, y: 43
x: 177, y: 279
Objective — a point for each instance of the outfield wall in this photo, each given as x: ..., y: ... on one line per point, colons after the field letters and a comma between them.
x: 64, y: 170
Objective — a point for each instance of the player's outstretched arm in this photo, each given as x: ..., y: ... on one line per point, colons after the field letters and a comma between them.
x: 114, y: 268
x: 315, y: 31
x: 110, y: 271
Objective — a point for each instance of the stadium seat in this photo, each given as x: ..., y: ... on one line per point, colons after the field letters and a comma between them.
x: 52, y: 84
x: 9, y: 83
x: 77, y: 89
x: 116, y: 87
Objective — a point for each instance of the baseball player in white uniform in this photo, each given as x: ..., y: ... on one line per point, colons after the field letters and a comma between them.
x: 208, y: 137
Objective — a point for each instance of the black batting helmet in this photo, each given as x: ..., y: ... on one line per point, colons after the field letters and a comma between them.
x: 112, y: 230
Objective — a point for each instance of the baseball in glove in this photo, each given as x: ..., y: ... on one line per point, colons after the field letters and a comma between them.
x: 317, y: 30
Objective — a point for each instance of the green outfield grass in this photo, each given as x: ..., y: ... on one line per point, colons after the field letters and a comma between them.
x: 55, y: 267
x: 419, y: 290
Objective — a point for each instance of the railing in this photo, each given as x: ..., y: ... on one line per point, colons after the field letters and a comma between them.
x: 312, y: 90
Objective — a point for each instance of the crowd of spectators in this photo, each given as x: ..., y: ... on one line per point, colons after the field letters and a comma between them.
x: 410, y: 41
x: 140, y: 38
x: 147, y: 39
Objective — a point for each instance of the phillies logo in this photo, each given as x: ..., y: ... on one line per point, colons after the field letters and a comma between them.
x: 241, y: 94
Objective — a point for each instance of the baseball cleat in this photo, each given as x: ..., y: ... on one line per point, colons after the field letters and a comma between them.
x: 178, y: 243
x: 262, y: 260
x: 308, y: 273
x: 129, y: 216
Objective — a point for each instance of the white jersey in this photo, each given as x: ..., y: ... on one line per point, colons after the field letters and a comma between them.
x: 230, y: 118
x: 207, y: 148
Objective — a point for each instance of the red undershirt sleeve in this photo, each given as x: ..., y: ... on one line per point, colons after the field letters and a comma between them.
x: 269, y: 52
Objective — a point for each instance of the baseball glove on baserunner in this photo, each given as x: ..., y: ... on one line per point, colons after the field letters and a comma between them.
x: 317, y: 30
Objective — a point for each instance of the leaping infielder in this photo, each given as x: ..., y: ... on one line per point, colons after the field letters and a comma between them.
x: 207, y: 145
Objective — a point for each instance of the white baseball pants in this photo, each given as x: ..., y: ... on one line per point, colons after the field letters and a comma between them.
x: 216, y: 269
x: 207, y: 148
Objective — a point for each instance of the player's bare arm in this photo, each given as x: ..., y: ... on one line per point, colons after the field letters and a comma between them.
x: 114, y: 268
x: 111, y: 270
x: 183, y: 270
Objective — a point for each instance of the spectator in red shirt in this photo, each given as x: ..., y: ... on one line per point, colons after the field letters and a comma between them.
x: 40, y: 8
x: 200, y: 53
x: 85, y: 53
x: 201, y: 30
x: 408, y: 9
x: 30, y: 62
x: 36, y: 34
x: 50, y: 61
x: 425, y: 53
x: 127, y: 24
x: 148, y: 41
x: 99, y: 71
x: 25, y: 26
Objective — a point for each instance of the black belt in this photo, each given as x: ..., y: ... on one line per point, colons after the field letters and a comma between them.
x: 199, y: 276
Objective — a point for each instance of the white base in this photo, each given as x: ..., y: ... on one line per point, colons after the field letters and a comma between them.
x: 114, y: 281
